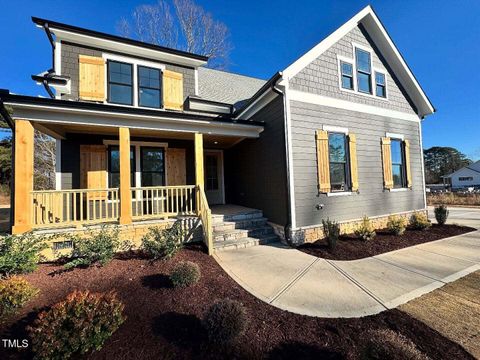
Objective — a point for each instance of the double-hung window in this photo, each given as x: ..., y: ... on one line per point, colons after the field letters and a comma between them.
x: 364, y: 71
x: 152, y: 163
x: 398, y: 163
x: 338, y: 160
x: 114, y: 166
x: 120, y: 82
x: 380, y: 86
x: 347, y: 75
x: 149, y: 85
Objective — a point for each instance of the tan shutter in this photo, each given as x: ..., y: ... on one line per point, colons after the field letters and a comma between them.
x: 352, y: 146
x: 176, y: 167
x: 387, y: 163
x: 91, y: 78
x: 323, y: 164
x: 93, y: 170
x: 407, y: 163
x: 172, y: 90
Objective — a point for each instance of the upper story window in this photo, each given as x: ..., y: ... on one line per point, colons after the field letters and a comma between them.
x: 364, y: 70
x: 149, y: 86
x: 347, y: 75
x: 398, y: 163
x: 380, y: 89
x: 120, y: 83
x: 337, y: 152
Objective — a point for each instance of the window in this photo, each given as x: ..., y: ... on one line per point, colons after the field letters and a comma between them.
x: 120, y: 80
x: 347, y: 75
x: 380, y: 85
x: 398, y: 163
x: 149, y: 84
x: 114, y: 166
x: 152, y: 161
x: 211, y: 173
x: 337, y: 152
x: 465, y: 178
x: 364, y: 72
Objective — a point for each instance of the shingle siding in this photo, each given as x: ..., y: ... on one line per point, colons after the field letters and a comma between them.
x: 321, y: 76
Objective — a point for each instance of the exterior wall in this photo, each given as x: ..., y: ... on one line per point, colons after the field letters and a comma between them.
x: 69, y: 67
x: 322, y: 77
x: 255, y: 169
x: 372, y: 199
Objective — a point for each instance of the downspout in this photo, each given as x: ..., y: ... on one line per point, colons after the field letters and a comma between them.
x: 8, y: 119
x: 52, y: 70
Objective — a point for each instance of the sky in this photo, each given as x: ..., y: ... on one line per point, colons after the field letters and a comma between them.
x: 439, y: 39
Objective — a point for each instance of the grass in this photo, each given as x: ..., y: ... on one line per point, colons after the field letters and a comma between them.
x: 453, y: 199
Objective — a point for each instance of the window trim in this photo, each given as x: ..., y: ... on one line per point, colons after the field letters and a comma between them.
x: 376, y: 83
x: 403, y: 164
x: 160, y: 89
x: 108, y: 82
x: 164, y: 170
x: 364, y: 72
x: 348, y: 176
x: 341, y: 62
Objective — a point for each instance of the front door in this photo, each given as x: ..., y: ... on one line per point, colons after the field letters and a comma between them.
x: 214, y: 187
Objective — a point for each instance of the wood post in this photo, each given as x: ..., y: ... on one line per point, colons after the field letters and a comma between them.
x: 23, y: 176
x: 199, y: 178
x: 125, y: 186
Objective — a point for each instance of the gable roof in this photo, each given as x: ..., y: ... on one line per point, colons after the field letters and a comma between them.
x: 226, y: 87
x: 370, y: 21
x: 474, y: 167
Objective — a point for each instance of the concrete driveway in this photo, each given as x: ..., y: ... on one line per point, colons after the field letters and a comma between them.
x: 292, y: 280
x: 460, y: 215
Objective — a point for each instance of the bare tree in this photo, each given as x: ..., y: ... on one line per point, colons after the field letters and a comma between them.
x: 44, y: 162
x: 189, y: 28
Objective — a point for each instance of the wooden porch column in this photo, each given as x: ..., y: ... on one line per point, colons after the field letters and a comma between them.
x: 199, y: 179
x: 125, y: 190
x: 23, y: 177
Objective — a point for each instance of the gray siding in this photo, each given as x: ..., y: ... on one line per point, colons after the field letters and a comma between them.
x: 321, y: 76
x: 69, y: 67
x: 372, y: 200
x: 255, y: 169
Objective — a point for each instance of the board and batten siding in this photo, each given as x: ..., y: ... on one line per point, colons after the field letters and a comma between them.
x: 372, y: 199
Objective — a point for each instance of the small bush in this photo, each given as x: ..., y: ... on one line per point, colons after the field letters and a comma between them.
x: 20, y: 254
x: 419, y: 221
x: 97, y: 247
x: 388, y: 344
x: 365, y: 230
x: 441, y: 214
x: 185, y: 273
x: 225, y: 321
x: 331, y: 230
x: 396, y: 225
x: 81, y: 323
x: 163, y: 243
x: 14, y: 293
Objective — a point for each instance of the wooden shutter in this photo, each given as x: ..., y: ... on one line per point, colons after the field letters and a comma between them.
x: 352, y: 146
x: 176, y: 167
x: 91, y: 78
x: 172, y: 90
x: 323, y: 163
x: 93, y: 170
x: 407, y: 163
x: 387, y: 163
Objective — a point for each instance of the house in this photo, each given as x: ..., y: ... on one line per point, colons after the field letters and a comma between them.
x: 466, y: 177
x: 147, y: 134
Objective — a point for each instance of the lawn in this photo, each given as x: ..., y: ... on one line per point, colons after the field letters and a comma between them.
x: 165, y: 322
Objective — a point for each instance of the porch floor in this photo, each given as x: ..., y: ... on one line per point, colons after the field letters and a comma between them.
x: 231, y: 209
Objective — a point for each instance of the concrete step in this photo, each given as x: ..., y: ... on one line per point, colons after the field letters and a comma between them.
x: 254, y: 214
x: 236, y: 234
x: 244, y: 243
x: 240, y: 224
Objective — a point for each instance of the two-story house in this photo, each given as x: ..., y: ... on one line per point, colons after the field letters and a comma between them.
x: 145, y: 132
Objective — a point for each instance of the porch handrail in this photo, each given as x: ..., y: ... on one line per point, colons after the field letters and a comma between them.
x: 205, y: 215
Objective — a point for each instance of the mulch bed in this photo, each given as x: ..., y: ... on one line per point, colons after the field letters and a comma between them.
x: 165, y: 323
x: 349, y: 247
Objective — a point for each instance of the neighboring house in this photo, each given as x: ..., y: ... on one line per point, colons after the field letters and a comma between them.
x: 146, y: 132
x: 466, y: 177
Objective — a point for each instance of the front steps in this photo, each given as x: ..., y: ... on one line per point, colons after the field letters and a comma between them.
x: 241, y: 230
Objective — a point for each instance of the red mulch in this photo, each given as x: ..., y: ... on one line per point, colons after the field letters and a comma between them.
x: 349, y: 247
x: 165, y: 323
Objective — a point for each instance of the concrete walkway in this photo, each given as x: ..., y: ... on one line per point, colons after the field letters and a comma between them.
x: 292, y: 280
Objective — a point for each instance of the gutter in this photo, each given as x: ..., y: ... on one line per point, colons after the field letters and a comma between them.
x: 6, y: 116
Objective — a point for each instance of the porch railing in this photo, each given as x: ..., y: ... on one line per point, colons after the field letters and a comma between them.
x: 205, y: 214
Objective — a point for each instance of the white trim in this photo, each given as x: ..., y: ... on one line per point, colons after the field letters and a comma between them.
x: 399, y: 189
x: 58, y: 164
x: 288, y: 140
x: 423, y: 164
x: 340, y: 193
x: 196, y: 80
x: 348, y: 105
x: 58, y: 64
x: 336, y: 129
x: 384, y: 73
x: 395, y: 136
x: 262, y: 101
x: 346, y: 60
x: 222, y: 174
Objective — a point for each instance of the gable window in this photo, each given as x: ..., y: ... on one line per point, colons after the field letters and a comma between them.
x: 347, y: 75
x: 337, y: 152
x: 465, y: 178
x: 398, y: 163
x: 149, y: 85
x: 120, y: 83
x: 380, y: 85
x: 114, y: 167
x: 364, y: 71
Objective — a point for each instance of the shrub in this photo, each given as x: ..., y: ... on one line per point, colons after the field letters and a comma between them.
x: 14, y: 293
x: 331, y: 230
x: 185, y: 273
x: 388, y: 344
x: 225, y: 321
x: 163, y: 243
x: 419, y: 221
x: 365, y: 230
x: 81, y: 323
x: 396, y: 225
x: 19, y: 254
x: 441, y: 214
x: 97, y: 247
